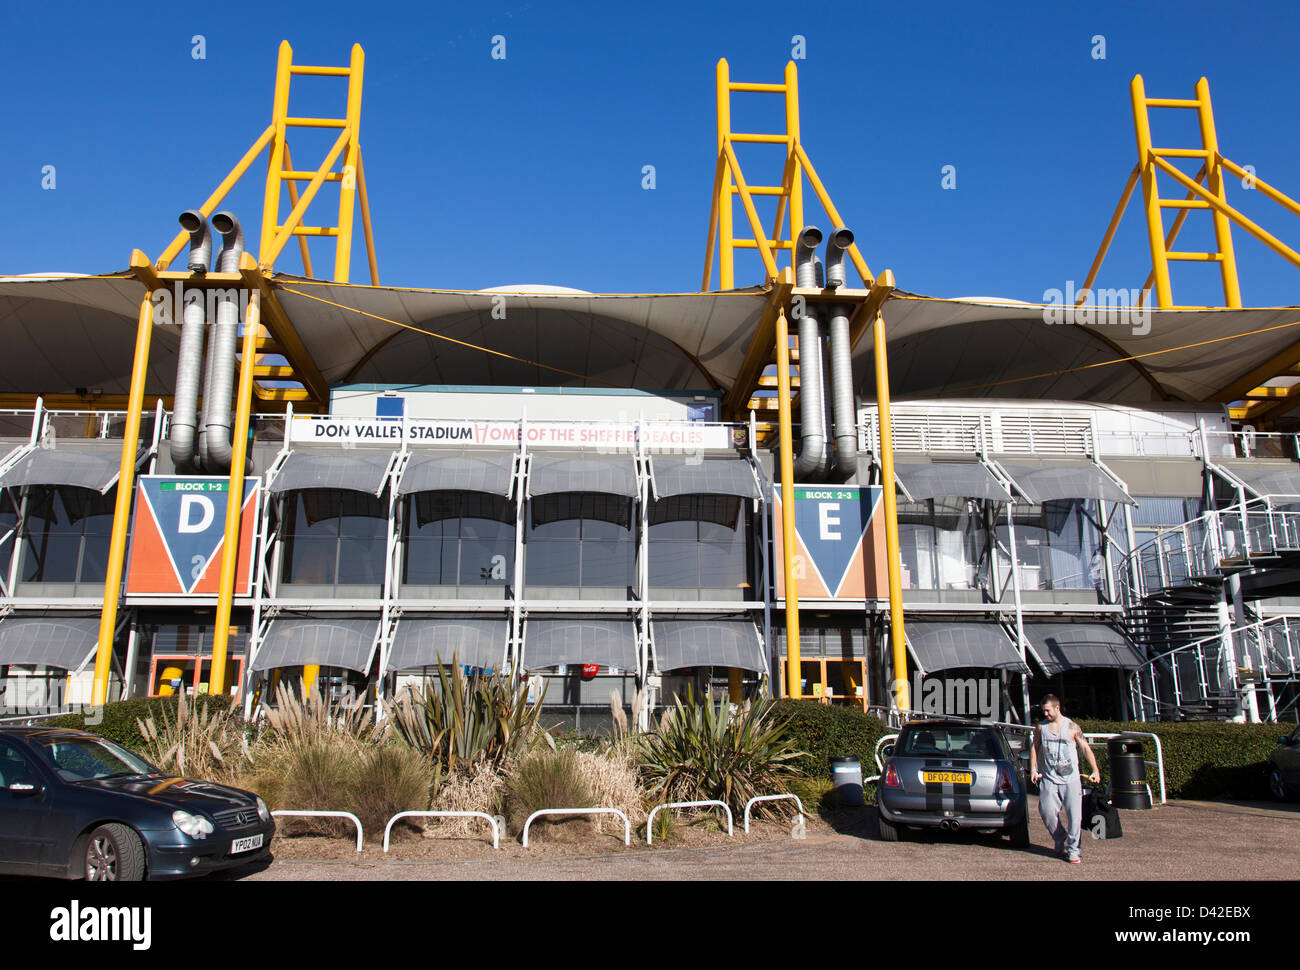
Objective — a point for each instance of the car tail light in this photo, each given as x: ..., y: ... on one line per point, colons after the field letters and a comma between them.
x: 891, y: 776
x: 1004, y: 784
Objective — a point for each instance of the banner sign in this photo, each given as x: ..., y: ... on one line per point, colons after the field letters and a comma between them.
x: 839, y: 542
x: 179, y: 533
x: 658, y: 436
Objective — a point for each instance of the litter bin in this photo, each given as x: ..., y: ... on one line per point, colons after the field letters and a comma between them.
x: 1128, y: 773
x: 846, y: 781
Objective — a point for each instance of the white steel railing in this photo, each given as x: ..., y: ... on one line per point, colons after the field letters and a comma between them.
x: 1201, y: 547
x: 1266, y: 649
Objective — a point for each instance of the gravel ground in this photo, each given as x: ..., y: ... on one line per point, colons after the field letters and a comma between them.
x: 1179, y: 841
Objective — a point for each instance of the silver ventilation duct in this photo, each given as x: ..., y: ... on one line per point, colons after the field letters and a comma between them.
x: 221, y: 356
x: 812, y: 408
x: 843, y: 402
x: 193, y: 222
x: 837, y: 248
x: 190, y: 358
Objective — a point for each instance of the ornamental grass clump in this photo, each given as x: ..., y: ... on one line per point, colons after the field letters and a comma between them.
x: 384, y: 779
x: 547, y: 779
x: 704, y: 750
x: 200, y: 741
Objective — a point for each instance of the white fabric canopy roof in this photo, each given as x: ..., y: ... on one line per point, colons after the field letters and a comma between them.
x: 61, y: 333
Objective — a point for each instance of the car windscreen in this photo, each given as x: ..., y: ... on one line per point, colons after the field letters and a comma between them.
x: 961, y: 742
x: 85, y: 759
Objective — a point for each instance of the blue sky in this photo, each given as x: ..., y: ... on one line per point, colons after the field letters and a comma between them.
x: 485, y: 172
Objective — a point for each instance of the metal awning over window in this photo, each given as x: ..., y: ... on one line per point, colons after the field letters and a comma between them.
x: 49, y: 641
x: 345, y: 469
x: 552, y: 641
x: 1046, y: 479
x: 923, y: 478
x: 457, y: 473
x: 706, y: 476
x: 609, y: 474
x: 1265, y: 477
x: 937, y: 645
x: 1077, y: 646
x: 707, y: 642
x: 299, y: 641
x: 428, y: 641
x: 1160, y: 477
x: 91, y: 465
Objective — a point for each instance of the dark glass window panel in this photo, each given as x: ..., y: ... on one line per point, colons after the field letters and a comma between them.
x: 675, y: 564
x: 607, y: 562
x: 422, y: 563
x: 52, y: 558
x: 94, y: 559
x: 311, y: 560
x: 551, y: 563
x: 361, y: 561
x: 722, y: 565
x: 486, y: 562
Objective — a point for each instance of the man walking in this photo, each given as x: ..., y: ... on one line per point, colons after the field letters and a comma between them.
x: 1056, y: 746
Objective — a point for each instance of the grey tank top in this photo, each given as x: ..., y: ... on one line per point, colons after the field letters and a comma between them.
x: 1060, y: 756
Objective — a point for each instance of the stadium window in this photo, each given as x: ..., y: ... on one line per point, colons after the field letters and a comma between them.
x: 458, y: 538
x: 334, y: 538
x: 580, y: 539
x: 697, y: 542
x: 66, y: 534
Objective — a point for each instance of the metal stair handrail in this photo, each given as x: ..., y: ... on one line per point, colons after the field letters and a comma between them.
x: 1211, y: 546
x: 1197, y: 646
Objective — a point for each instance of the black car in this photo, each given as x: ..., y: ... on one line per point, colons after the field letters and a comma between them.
x: 75, y: 805
x: 952, y: 775
x: 1284, y: 767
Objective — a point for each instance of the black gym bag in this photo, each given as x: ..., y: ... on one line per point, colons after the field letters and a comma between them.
x: 1100, y: 816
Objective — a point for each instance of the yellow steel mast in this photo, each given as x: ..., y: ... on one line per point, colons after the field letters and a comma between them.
x: 267, y: 329
x: 729, y: 181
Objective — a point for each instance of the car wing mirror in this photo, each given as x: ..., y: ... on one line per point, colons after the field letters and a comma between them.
x: 887, y: 751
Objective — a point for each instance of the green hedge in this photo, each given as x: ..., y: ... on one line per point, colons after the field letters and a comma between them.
x: 1203, y: 759
x: 824, y: 731
x: 119, y: 717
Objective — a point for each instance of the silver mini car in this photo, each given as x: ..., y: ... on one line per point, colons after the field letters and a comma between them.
x: 952, y: 775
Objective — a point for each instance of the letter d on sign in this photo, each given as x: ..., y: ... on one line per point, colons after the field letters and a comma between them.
x: 206, y: 513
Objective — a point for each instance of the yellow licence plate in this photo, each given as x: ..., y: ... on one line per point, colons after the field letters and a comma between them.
x: 946, y: 777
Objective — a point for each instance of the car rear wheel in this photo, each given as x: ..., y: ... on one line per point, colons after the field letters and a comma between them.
x: 1277, y: 784
x: 889, y: 832
x: 1020, y: 834
x: 114, y: 853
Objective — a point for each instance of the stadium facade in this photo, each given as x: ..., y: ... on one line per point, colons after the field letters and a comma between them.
x: 220, y: 477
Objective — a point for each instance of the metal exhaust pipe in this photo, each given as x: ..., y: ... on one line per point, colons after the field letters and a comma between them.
x: 812, y: 458
x: 225, y: 337
x: 189, y: 360
x: 837, y: 248
x: 192, y: 221
x: 844, y: 418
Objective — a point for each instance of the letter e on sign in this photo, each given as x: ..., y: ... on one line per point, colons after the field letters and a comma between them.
x: 828, y: 523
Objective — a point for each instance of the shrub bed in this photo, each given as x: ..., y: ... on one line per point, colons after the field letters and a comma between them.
x: 1203, y: 759
x: 823, y: 731
x: 119, y: 717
